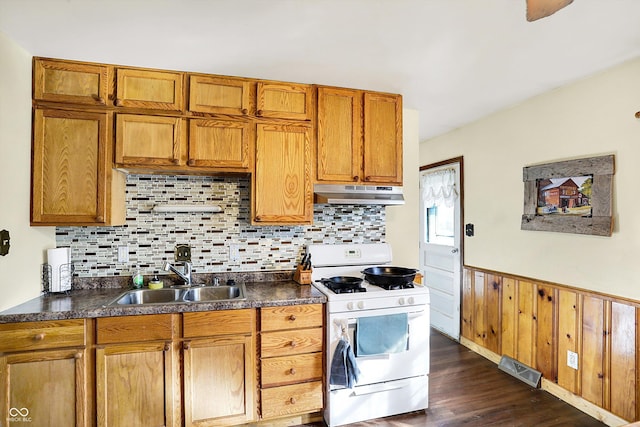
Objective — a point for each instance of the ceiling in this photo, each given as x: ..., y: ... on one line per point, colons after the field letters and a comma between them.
x: 454, y: 61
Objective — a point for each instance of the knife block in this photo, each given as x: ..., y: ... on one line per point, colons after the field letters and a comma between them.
x: 302, y: 276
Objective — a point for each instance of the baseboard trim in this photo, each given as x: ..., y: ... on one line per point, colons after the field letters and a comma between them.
x: 550, y: 387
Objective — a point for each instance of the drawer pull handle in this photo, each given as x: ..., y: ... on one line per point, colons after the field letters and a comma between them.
x: 39, y: 337
x: 293, y: 344
x: 292, y: 317
x: 292, y: 400
x: 292, y: 371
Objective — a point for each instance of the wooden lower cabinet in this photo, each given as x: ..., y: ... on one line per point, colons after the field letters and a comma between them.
x: 137, y: 371
x: 44, y: 374
x: 219, y: 367
x: 291, y: 360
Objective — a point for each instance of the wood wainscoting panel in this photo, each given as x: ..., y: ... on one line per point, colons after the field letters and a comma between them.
x: 538, y: 323
x: 546, y: 326
x: 623, y: 361
x: 591, y: 358
x: 568, y: 308
x: 509, y: 316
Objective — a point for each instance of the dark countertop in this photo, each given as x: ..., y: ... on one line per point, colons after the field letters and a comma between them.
x: 90, y: 303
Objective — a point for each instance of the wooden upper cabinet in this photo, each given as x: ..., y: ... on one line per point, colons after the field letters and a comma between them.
x: 158, y: 90
x: 219, y: 95
x: 359, y: 137
x: 72, y: 179
x: 279, y: 100
x: 382, y: 138
x: 282, y: 190
x: 223, y: 144
x: 70, y: 82
x: 143, y: 140
x: 339, y: 128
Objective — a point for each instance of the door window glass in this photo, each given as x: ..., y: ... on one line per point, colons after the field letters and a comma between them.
x: 440, y: 225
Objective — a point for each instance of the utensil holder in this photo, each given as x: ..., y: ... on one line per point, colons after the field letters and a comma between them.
x: 302, y: 276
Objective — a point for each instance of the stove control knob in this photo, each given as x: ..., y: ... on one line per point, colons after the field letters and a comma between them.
x: 401, y: 301
x: 350, y: 306
x: 411, y: 300
x: 360, y: 305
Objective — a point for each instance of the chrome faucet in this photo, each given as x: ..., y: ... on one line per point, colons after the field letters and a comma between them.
x: 186, y: 275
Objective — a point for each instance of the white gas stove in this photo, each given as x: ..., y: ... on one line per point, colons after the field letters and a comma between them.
x: 390, y: 383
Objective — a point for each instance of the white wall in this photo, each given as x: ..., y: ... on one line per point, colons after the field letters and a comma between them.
x: 20, y: 269
x: 592, y: 117
x: 402, y: 221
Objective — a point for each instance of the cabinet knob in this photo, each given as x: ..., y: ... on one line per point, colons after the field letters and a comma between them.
x: 292, y: 317
x: 293, y: 344
x: 100, y: 218
x: 117, y: 102
x: 78, y: 355
x: 292, y: 400
x: 356, y: 178
x: 176, y: 161
x: 186, y: 345
x: 244, y: 111
x: 292, y: 371
x: 367, y: 178
x: 191, y: 162
x: 39, y: 337
x: 167, y: 346
x: 98, y: 98
x: 258, y: 112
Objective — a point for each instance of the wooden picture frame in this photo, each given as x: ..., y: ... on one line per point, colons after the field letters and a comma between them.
x: 598, y: 223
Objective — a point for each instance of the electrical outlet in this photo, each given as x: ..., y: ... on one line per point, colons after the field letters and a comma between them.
x: 572, y: 359
x: 234, y: 253
x: 182, y: 253
x: 123, y: 254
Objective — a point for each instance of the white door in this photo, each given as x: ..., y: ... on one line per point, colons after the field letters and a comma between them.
x: 440, y: 254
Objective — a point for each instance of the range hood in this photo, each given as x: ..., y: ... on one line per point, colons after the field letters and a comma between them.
x: 358, y: 194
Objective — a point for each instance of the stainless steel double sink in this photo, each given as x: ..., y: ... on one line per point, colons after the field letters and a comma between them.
x: 190, y: 294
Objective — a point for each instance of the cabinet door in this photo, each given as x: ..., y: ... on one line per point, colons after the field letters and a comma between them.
x: 282, y: 192
x: 44, y: 388
x: 135, y: 385
x: 223, y: 144
x: 71, y: 165
x: 149, y: 140
x: 77, y: 83
x: 382, y: 138
x: 339, y: 153
x: 158, y: 90
x: 219, y: 381
x: 219, y: 95
x: 284, y: 101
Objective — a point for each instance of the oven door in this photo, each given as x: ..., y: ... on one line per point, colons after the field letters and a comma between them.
x: 385, y: 367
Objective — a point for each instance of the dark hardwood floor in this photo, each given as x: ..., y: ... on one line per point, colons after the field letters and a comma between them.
x: 468, y: 390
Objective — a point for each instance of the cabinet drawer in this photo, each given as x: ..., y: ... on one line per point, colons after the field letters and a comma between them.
x: 284, y: 343
x: 150, y: 327
x: 224, y: 322
x: 291, y: 369
x: 291, y: 399
x: 290, y: 317
x: 41, y: 335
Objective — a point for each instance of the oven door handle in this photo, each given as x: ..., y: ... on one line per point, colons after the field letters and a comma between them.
x: 353, y: 320
x: 379, y: 388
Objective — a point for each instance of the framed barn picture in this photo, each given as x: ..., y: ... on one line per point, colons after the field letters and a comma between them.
x: 572, y: 196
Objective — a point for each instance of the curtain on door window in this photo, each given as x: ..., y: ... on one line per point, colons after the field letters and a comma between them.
x: 439, y: 188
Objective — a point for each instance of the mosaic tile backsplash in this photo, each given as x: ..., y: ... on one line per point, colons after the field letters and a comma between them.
x: 151, y: 237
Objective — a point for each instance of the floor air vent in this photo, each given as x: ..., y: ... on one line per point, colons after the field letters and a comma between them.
x: 520, y: 371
